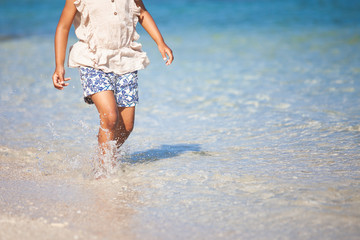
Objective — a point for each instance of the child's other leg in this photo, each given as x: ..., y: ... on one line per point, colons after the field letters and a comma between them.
x: 125, y: 124
x: 109, y: 118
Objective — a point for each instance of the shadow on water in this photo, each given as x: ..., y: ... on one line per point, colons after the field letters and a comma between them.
x: 163, y: 152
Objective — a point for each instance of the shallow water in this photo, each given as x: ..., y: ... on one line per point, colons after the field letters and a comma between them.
x: 252, y: 133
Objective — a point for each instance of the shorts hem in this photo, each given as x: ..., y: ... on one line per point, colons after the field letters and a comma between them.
x: 128, y: 105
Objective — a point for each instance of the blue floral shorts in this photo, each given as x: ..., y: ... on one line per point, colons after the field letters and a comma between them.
x: 125, y: 87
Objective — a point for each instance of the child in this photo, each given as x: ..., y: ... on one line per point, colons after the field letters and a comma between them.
x: 108, y: 58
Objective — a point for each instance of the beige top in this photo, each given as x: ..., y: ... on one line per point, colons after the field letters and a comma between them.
x: 107, y: 36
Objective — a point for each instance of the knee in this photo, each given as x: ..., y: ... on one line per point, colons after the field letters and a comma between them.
x: 109, y: 120
x: 129, y: 127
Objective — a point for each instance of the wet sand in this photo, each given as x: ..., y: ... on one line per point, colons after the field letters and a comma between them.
x: 49, y: 202
x: 37, y: 204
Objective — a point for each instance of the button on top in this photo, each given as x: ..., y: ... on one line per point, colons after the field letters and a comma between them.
x: 112, y: 0
x: 115, y: 13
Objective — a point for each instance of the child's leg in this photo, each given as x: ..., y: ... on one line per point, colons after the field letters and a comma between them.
x: 125, y: 124
x: 109, y: 117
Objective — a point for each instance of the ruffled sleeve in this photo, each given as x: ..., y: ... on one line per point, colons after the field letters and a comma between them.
x: 80, y: 5
x: 135, y: 11
x: 85, y: 49
x: 134, y: 8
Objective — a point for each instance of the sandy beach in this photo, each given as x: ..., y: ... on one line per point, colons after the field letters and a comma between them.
x: 49, y: 205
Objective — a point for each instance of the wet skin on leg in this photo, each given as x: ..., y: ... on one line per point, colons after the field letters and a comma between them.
x: 116, y: 123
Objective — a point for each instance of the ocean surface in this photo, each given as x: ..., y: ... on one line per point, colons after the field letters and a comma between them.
x: 252, y: 133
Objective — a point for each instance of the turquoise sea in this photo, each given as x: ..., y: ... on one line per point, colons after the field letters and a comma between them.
x: 252, y: 133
